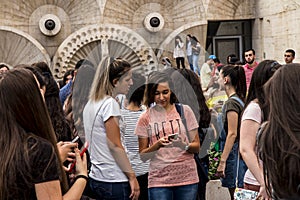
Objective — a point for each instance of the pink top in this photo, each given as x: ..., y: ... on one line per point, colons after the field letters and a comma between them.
x: 252, y: 112
x: 170, y: 166
x: 248, y: 72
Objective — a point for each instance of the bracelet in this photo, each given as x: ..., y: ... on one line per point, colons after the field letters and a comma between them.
x: 81, y: 176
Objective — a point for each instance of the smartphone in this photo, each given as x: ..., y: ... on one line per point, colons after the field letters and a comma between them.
x: 72, y: 164
x: 172, y: 136
x: 76, y: 139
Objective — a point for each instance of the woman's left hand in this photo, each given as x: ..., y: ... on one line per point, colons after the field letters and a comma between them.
x: 81, y: 163
x: 178, y: 142
x: 221, y: 169
x: 262, y: 195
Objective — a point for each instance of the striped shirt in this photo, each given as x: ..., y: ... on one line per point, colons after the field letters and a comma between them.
x: 130, y: 141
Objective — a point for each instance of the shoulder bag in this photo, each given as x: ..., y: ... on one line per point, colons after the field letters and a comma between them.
x: 202, y: 174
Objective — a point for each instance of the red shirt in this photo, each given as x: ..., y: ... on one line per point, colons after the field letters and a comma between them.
x: 249, y: 71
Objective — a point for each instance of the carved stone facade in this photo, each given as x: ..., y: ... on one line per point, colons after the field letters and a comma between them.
x: 139, y: 30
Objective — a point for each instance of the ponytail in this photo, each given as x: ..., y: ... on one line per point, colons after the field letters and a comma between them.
x: 241, y: 88
x: 238, y: 79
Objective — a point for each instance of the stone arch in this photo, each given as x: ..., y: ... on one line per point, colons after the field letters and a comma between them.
x: 19, y: 47
x: 98, y: 39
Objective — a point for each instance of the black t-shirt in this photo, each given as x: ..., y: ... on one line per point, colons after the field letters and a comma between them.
x: 43, y: 167
x: 233, y: 105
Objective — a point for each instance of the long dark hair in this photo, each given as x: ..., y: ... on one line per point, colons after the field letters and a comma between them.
x: 237, y: 79
x: 194, y: 41
x: 22, y: 118
x: 78, y: 98
x: 154, y: 79
x: 279, y: 144
x: 55, y: 108
x: 65, y: 77
x: 189, y: 92
x: 136, y: 91
x: 262, y: 73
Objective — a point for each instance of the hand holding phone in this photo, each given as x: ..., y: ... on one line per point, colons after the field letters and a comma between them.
x: 172, y: 136
x: 72, y: 165
x: 64, y: 149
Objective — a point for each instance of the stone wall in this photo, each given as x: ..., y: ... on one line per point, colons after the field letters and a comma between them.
x: 276, y: 28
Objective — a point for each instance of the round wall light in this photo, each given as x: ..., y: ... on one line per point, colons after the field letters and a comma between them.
x: 154, y: 22
x: 50, y: 25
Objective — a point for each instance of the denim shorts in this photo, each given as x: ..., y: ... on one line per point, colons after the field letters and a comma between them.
x: 111, y: 191
x: 229, y: 180
x: 185, y: 192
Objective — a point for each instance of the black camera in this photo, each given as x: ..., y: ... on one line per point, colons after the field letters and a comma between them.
x: 50, y: 24
x: 154, y: 22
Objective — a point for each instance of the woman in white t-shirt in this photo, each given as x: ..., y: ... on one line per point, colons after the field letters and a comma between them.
x: 178, y: 52
x: 111, y: 175
x: 254, y: 114
x: 164, y: 140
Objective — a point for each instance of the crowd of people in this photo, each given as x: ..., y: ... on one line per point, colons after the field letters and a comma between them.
x: 146, y: 146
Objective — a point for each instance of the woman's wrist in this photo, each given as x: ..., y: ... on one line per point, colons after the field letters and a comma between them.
x: 81, y: 176
x: 187, y: 147
x: 131, y: 176
x: 222, y: 161
x: 184, y: 146
x: 82, y: 173
x: 158, y: 145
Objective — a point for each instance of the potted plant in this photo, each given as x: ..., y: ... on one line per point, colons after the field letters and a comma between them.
x: 214, y: 158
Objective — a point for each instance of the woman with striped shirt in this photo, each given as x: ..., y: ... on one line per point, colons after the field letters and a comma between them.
x: 130, y: 116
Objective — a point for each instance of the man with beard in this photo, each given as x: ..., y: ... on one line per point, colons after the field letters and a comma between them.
x: 250, y: 65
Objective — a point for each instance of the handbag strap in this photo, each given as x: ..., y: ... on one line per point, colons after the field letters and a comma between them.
x: 179, y: 108
x: 237, y: 169
x: 98, y: 110
x: 238, y: 100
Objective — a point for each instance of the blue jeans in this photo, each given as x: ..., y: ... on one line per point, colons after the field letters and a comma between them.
x: 185, y: 192
x: 190, y: 60
x: 195, y: 64
x: 231, y: 168
x: 106, y: 190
